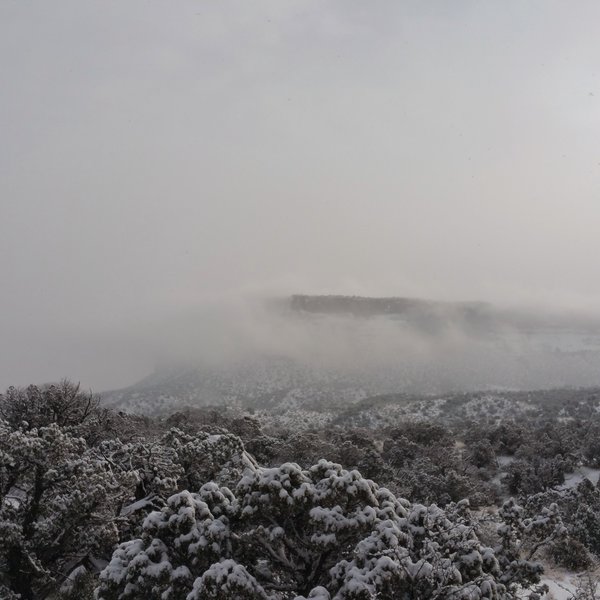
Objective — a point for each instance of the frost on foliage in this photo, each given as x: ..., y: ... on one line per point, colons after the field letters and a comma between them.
x: 64, y: 404
x: 150, y: 474
x: 225, y: 580
x: 323, y: 533
x: 318, y: 593
x: 56, y: 502
x: 189, y: 534
x: 205, y: 457
x: 424, y: 554
x: 521, y: 538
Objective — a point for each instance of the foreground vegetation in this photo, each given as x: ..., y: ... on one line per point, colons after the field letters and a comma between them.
x: 211, y: 503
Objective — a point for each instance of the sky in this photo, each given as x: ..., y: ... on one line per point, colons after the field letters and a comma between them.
x: 160, y: 156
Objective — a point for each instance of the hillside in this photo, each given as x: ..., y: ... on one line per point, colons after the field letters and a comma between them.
x: 321, y: 353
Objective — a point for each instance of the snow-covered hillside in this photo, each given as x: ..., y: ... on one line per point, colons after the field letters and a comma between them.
x: 315, y: 362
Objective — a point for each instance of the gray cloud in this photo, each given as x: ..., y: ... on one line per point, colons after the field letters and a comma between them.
x: 158, y: 156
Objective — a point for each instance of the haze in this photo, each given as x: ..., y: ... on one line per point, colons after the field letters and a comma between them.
x: 157, y: 157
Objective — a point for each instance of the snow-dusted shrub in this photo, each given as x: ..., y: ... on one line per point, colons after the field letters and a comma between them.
x: 225, y: 580
x: 63, y: 403
x: 321, y: 533
x: 522, y: 537
x: 571, y: 554
x: 205, y: 457
x: 57, y: 505
x: 535, y: 475
x: 580, y: 511
x: 153, y: 466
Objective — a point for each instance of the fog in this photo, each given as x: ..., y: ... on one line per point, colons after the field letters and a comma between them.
x: 165, y: 167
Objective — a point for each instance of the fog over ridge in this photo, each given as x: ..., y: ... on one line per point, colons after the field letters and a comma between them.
x: 419, y: 346
x: 161, y: 164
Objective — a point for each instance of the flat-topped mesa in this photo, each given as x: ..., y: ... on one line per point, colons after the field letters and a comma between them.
x: 396, y: 306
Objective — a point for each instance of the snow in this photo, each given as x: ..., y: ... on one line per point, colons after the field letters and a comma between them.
x: 15, y: 497
x: 135, y: 506
x: 574, y: 479
x: 504, y: 460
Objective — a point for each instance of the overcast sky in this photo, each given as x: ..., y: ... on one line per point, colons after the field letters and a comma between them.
x: 154, y: 155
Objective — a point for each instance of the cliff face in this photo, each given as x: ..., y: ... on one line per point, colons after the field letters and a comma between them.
x: 432, y: 315
x: 426, y: 314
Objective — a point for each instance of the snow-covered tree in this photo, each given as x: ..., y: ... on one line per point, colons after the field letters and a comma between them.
x: 208, y: 457
x: 522, y: 537
x: 63, y: 403
x: 57, y: 502
x: 288, y: 532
